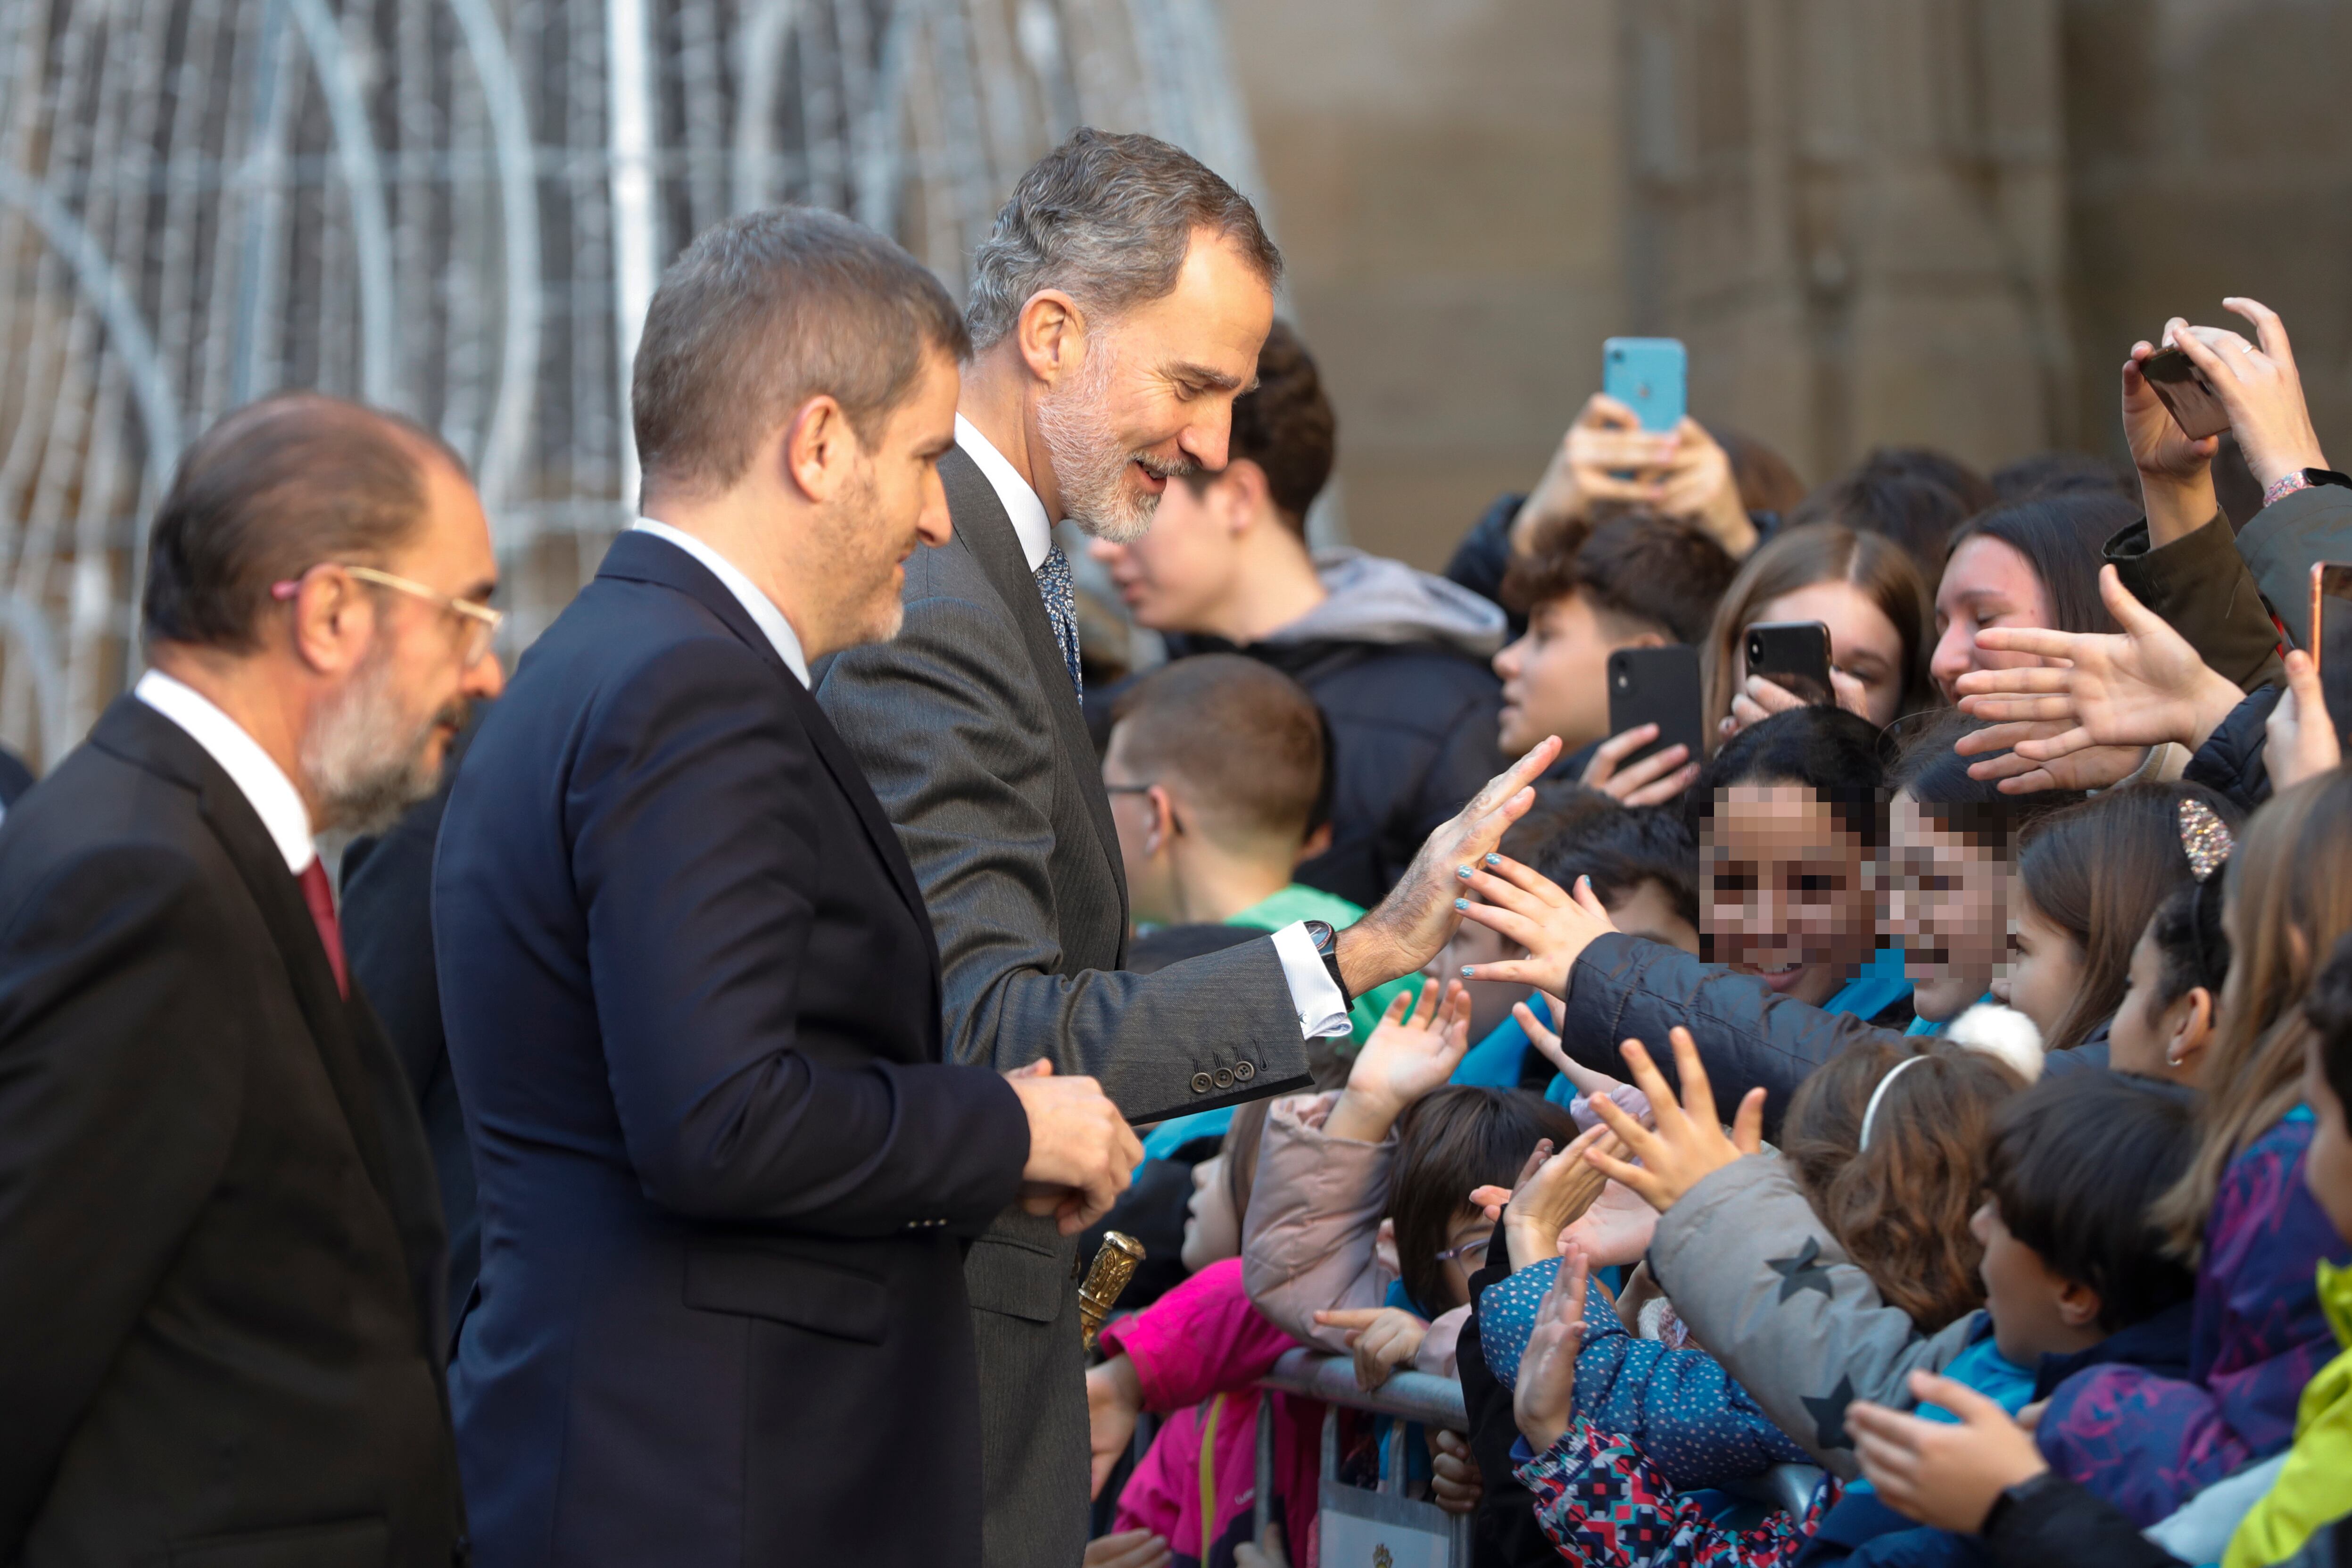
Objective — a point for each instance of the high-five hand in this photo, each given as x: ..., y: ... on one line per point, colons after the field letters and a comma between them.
x: 1530, y: 908
x: 1689, y: 1142
x: 1409, y: 1055
x: 1544, y: 1398
x: 1418, y: 914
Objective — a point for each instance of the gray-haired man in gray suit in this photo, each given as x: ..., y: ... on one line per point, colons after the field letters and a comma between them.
x: 1116, y: 312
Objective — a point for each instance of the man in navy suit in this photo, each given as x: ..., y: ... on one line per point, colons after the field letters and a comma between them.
x: 692, y: 994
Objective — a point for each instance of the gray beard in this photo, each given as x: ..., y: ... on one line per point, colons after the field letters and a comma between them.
x: 364, y: 762
x: 1089, y: 467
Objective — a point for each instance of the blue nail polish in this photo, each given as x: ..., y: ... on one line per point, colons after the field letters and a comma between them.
x: 1469, y: 972
x: 1461, y: 903
x: 1494, y: 859
x: 1463, y: 872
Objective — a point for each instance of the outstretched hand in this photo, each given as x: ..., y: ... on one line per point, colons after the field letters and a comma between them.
x: 2300, y: 739
x: 1421, y: 912
x: 1382, y: 1339
x: 1529, y: 909
x: 1409, y: 1055
x: 1939, y: 1473
x: 2139, y: 688
x: 1689, y: 1142
x: 1545, y: 1398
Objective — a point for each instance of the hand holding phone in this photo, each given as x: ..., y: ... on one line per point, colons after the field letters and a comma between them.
x: 1794, y: 656
x: 2331, y: 636
x: 2173, y: 376
x: 1647, y: 375
x: 1650, y: 686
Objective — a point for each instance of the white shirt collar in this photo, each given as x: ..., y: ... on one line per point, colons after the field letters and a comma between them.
x: 757, y: 604
x: 256, y: 775
x: 1021, y: 503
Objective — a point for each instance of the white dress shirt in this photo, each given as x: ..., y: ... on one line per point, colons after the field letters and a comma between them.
x: 256, y: 775
x: 757, y: 604
x: 1321, y: 1008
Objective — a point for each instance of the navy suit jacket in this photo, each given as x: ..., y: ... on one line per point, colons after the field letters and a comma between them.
x: 693, y: 1008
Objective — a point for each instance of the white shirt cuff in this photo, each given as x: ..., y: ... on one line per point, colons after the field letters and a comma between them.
x: 1322, y: 1010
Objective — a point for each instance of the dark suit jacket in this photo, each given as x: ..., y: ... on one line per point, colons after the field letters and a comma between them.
x: 970, y: 728
x: 693, y: 1005
x: 388, y: 939
x: 220, y: 1251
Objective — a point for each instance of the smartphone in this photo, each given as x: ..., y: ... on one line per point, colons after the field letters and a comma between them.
x: 1657, y: 686
x: 1646, y: 374
x: 1794, y: 656
x: 2173, y: 376
x: 2331, y: 636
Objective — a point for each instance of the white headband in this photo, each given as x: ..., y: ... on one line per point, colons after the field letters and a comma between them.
x: 1870, y: 1111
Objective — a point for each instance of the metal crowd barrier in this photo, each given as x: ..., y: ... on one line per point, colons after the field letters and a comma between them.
x: 1437, y: 1402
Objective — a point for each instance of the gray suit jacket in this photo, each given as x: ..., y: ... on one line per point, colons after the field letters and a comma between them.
x: 970, y: 731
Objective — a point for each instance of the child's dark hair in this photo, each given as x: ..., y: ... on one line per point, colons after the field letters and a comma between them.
x: 2093, y: 870
x: 2191, y: 948
x: 1901, y: 1206
x: 1829, y: 751
x: 1623, y: 847
x: 2078, y: 1163
x: 1640, y: 569
x: 1933, y: 774
x: 1448, y: 1143
x: 2328, y: 1006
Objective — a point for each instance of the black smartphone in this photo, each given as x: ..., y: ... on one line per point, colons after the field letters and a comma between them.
x: 1657, y: 686
x: 1794, y: 656
x: 2173, y: 376
x: 2331, y: 636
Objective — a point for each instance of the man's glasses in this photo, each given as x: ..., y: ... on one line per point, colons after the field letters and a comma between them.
x: 480, y: 622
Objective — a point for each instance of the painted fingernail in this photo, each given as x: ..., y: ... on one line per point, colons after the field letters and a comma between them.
x: 1494, y: 859
x: 1463, y: 872
x: 1461, y: 903
x: 1470, y: 972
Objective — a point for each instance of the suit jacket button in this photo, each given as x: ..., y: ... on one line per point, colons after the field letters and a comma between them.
x: 1244, y: 1071
x: 1224, y: 1078
x: 1201, y: 1083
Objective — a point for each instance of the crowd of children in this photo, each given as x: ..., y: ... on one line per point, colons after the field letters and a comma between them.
x: 1943, y: 1086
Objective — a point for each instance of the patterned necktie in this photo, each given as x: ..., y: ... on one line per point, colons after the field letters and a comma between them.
x: 322, y: 899
x: 1062, y: 608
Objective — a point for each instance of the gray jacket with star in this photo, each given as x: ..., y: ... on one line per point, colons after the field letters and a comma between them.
x: 1762, y: 1284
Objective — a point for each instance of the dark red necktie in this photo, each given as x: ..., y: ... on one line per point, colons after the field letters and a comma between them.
x: 322, y: 899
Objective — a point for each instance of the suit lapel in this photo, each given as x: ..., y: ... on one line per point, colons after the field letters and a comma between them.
x: 641, y: 558
x: 144, y: 738
x: 983, y: 529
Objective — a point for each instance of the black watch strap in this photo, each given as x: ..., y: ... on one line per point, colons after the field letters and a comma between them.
x: 1326, y: 947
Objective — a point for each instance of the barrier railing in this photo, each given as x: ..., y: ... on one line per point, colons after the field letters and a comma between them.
x: 1364, y: 1520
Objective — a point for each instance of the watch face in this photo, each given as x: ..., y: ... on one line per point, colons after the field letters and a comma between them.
x: 1320, y: 932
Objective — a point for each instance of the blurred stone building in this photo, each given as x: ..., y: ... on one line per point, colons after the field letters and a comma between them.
x: 1871, y: 220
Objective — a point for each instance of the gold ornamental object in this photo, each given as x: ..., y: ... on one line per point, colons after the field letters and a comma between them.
x: 1113, y: 1267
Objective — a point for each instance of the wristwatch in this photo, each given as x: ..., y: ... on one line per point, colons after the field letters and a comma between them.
x: 1326, y: 947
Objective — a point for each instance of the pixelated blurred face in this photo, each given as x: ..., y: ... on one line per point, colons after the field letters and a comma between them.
x: 1785, y: 891
x: 1175, y: 577
x: 1986, y: 584
x: 1864, y: 643
x: 1212, y: 1230
x: 1948, y: 905
x: 1555, y: 678
x: 2046, y: 965
x: 2327, y: 1167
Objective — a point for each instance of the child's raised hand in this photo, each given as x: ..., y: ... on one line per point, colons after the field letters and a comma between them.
x: 1382, y: 1338
x: 1528, y: 908
x: 1940, y: 1474
x: 1554, y: 1198
x: 1546, y: 1396
x: 1409, y: 1055
x: 1615, y: 1229
x: 1689, y: 1141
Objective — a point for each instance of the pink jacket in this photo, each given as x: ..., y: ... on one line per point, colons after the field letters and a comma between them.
x: 1308, y: 1241
x: 1199, y: 1350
